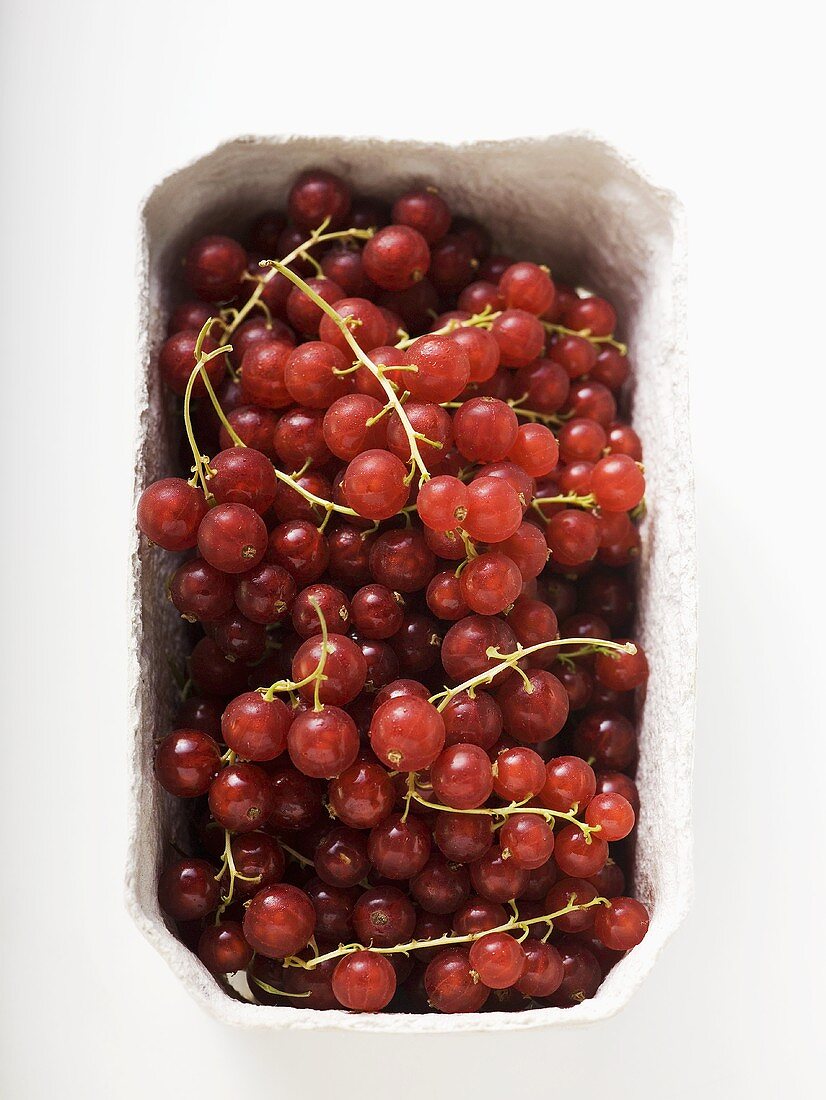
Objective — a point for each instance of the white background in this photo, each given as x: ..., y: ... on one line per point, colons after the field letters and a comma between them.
x: 718, y: 102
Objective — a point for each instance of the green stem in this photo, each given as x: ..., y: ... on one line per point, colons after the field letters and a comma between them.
x: 273, y: 991
x: 479, y: 320
x: 315, y: 677
x: 443, y: 941
x: 585, y: 333
x: 318, y: 236
x: 509, y: 660
x: 341, y: 323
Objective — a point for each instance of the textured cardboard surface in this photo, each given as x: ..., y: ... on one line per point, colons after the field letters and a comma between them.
x: 573, y: 202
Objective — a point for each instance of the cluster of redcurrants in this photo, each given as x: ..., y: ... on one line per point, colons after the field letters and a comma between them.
x: 419, y: 479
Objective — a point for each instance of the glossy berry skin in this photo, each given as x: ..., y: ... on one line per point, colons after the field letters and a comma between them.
x: 572, y: 891
x: 303, y: 313
x: 214, y: 268
x: 317, y: 195
x: 498, y: 878
x: 494, y: 510
x: 402, y: 561
x: 332, y: 604
x: 426, y: 211
x: 475, y: 720
x: 462, y: 777
x: 262, y: 375
x: 384, y: 916
x: 443, y: 369
x: 259, y: 858
x: 297, y: 800
x: 529, y: 839
x: 345, y: 669
x: 362, y: 795
x: 543, y: 970
x: 462, y: 838
x: 442, y: 503
x: 232, y: 538
x: 300, y: 548
x: 573, y: 537
x: 407, y: 733
x: 594, y: 314
x: 465, y: 646
x: 575, y: 856
x: 310, y: 378
x: 399, y: 849
x: 440, y: 887
x: 519, y: 773
x: 485, y: 429
x: 323, y: 744
x: 430, y: 421
x: 170, y: 512
x: 348, y: 551
x: 369, y: 333
x: 187, y: 889
x: 222, y: 948
x: 622, y: 925
x: 574, y: 354
x: 396, y: 258
x: 364, y: 982
x: 520, y: 336
x: 243, y: 475
x: 613, y: 814
x: 581, y: 976
x: 374, y: 484
x: 341, y: 858
x: 621, y: 671
x: 279, y: 921
x: 176, y: 362
x: 376, y: 611
x: 254, y: 728
x: 186, y: 762
x: 618, y: 483
x: 535, y: 450
x: 527, y: 286
x: 451, y: 983
x: 240, y: 798
x: 537, y: 715
x: 201, y: 592
x: 498, y: 960
x: 265, y: 594
x: 345, y: 428
x: 478, y: 915
x: 607, y: 736
x: 490, y: 583
x: 616, y: 783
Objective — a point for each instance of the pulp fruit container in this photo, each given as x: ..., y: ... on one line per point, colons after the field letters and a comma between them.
x: 577, y: 204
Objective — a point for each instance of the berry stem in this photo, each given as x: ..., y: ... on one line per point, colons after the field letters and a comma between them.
x: 479, y: 320
x: 585, y: 333
x: 228, y: 864
x: 201, y: 469
x: 273, y: 991
x: 304, y: 861
x: 328, y: 505
x: 318, y: 236
x: 416, y: 461
x: 588, y: 501
x: 315, y: 677
x: 510, y: 660
x: 555, y: 420
x: 515, y: 922
x: 502, y: 812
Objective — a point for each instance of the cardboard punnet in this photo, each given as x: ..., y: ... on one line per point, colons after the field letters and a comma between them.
x: 578, y: 204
